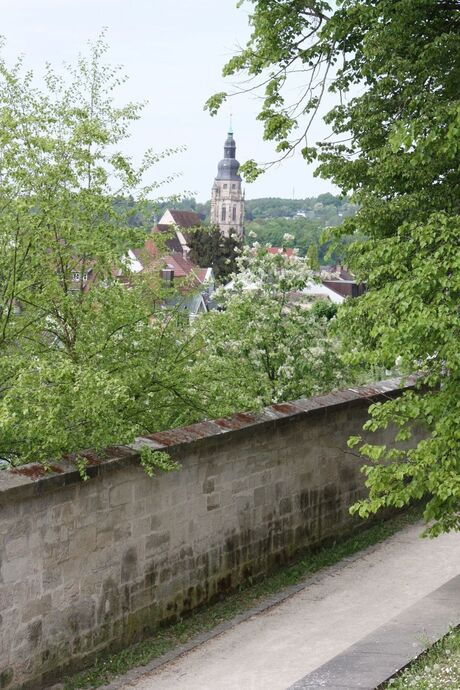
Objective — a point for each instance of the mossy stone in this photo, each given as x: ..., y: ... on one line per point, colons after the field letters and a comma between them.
x: 6, y: 677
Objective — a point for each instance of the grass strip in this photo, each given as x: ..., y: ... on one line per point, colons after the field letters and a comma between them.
x: 436, y: 669
x: 204, y: 619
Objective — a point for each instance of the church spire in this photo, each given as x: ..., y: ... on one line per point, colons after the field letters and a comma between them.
x: 227, y: 201
x: 229, y: 166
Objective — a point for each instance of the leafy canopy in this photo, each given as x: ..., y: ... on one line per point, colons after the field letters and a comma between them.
x: 395, y: 69
x: 86, y: 359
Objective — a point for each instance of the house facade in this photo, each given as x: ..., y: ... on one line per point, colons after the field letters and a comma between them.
x: 165, y: 253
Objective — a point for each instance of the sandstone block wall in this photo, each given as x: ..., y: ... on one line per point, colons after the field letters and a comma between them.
x: 92, y: 566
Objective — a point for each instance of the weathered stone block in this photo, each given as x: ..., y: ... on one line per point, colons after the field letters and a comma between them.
x: 239, y: 485
x: 82, y: 616
x: 157, y: 542
x: 121, y: 494
x: 22, y: 527
x: 104, y: 538
x: 51, y: 577
x: 6, y: 677
x: 38, y: 607
x: 16, y: 548
x: 259, y: 496
x: 213, y: 502
x: 208, y: 486
x: 15, y: 569
x: 123, y: 531
x: 285, y: 505
x: 129, y: 565
x: 155, y: 522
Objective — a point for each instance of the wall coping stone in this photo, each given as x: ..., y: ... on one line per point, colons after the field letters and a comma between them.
x: 33, y: 479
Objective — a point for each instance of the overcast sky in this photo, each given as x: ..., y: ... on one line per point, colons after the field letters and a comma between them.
x: 173, y: 52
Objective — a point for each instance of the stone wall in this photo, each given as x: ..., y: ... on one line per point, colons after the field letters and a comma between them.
x: 92, y: 566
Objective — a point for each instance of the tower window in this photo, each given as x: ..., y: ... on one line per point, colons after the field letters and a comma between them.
x: 223, y: 213
x: 234, y: 213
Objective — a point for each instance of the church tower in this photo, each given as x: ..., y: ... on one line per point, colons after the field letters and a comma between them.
x: 227, y: 199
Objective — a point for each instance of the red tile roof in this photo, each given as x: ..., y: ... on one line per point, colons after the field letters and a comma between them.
x: 152, y: 258
x: 181, y: 266
x: 184, y: 268
x: 172, y: 243
x: 185, y: 219
x: 146, y: 254
x: 279, y: 250
x: 201, y: 274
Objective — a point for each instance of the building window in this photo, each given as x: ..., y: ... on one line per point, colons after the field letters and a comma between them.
x: 77, y: 276
x: 223, y: 213
x: 225, y: 186
x: 233, y: 186
x: 234, y: 213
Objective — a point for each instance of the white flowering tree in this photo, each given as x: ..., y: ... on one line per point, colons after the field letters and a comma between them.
x: 266, y: 345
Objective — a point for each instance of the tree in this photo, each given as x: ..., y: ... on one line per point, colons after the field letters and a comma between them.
x: 325, y: 309
x: 265, y: 345
x: 305, y: 232
x: 312, y: 257
x: 323, y: 210
x: 86, y: 360
x: 394, y: 147
x: 208, y: 247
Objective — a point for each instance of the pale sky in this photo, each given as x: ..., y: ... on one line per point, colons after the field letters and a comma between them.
x: 173, y: 52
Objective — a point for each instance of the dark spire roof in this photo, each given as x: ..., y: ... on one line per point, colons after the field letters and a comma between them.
x: 228, y: 166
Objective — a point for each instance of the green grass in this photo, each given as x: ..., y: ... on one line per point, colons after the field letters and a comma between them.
x: 436, y: 669
x: 204, y: 619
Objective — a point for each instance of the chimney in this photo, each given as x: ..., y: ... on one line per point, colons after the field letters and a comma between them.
x: 167, y: 276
